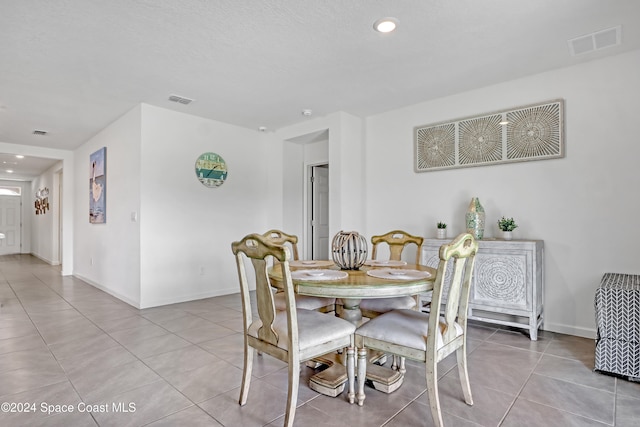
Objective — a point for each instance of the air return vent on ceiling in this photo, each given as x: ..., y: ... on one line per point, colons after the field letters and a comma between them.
x: 180, y: 99
x: 39, y: 132
x: 595, y: 41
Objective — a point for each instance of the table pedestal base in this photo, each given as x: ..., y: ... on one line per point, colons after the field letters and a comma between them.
x: 331, y: 381
x: 383, y: 379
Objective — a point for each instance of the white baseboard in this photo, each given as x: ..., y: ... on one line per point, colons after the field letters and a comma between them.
x: 48, y: 261
x: 192, y: 297
x: 569, y: 330
x: 160, y: 302
x: 109, y: 291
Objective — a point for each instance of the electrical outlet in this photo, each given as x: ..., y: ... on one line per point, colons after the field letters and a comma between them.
x: 202, y: 271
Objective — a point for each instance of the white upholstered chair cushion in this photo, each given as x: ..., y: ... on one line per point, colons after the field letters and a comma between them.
x: 314, y: 328
x: 383, y: 305
x: 302, y: 301
x: 408, y: 328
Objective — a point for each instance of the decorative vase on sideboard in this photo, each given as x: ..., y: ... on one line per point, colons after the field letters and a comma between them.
x: 507, y: 235
x: 475, y: 219
x: 442, y: 233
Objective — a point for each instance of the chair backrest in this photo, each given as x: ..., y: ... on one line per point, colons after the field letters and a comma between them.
x: 462, y: 250
x: 281, y: 238
x: 258, y: 249
x: 397, y: 240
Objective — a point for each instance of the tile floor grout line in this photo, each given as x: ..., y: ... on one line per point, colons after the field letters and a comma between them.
x: 66, y: 376
x: 119, y: 343
x: 524, y: 384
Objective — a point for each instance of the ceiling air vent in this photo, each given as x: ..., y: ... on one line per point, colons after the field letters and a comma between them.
x: 595, y: 41
x: 180, y: 99
x: 39, y: 132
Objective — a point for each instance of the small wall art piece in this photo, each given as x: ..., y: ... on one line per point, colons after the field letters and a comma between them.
x: 98, y: 187
x: 532, y: 132
x: 42, y: 201
x: 211, y: 170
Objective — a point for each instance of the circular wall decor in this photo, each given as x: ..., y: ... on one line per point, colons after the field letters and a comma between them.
x: 534, y: 132
x: 435, y: 146
x: 480, y: 140
x: 211, y: 170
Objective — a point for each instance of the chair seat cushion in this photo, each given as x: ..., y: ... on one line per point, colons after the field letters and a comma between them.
x: 408, y: 328
x: 314, y: 328
x: 303, y: 301
x: 383, y: 305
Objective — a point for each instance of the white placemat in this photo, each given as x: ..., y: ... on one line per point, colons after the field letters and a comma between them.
x: 311, y: 263
x: 384, y: 263
x: 398, y: 274
x: 319, y: 274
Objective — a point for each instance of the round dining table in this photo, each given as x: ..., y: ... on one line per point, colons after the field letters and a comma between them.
x: 376, y: 279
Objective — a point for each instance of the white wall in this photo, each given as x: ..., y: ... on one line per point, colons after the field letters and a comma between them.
x: 583, y: 206
x: 179, y: 246
x: 186, y: 229
x: 44, y: 227
x: 108, y: 255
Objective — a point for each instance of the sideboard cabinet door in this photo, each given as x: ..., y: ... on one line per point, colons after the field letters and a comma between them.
x: 507, y: 286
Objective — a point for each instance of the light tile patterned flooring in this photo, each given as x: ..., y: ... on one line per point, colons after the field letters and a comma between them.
x: 64, y: 342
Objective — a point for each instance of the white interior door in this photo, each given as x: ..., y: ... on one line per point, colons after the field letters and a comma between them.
x: 320, y: 212
x: 10, y: 225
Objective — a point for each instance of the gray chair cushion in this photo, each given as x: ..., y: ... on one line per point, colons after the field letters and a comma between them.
x: 383, y: 305
x: 314, y: 328
x: 302, y: 301
x: 408, y: 328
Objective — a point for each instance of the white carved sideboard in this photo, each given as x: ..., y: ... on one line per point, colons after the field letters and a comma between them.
x: 508, y: 282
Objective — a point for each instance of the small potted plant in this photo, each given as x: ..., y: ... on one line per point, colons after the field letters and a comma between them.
x: 442, y: 230
x: 507, y: 225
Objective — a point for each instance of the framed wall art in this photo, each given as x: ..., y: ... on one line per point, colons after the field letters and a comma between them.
x: 532, y: 132
x: 42, y: 201
x: 98, y: 186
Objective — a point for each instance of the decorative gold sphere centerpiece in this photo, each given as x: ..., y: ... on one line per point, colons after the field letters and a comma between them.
x: 349, y: 250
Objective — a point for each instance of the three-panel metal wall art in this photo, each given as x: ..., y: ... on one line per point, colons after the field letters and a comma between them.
x: 532, y: 132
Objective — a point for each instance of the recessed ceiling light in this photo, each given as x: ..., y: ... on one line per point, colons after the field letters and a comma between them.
x: 385, y: 25
x: 9, y: 171
x: 307, y: 113
x: 19, y: 156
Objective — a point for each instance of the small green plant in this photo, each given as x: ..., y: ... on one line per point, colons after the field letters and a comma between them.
x: 442, y: 225
x: 507, y: 224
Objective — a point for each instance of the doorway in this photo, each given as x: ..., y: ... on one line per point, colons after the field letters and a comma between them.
x: 318, y: 220
x: 10, y: 224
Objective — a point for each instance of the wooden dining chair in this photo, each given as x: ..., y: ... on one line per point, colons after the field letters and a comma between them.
x: 428, y: 337
x: 396, y: 241
x: 293, y: 335
x: 324, y: 305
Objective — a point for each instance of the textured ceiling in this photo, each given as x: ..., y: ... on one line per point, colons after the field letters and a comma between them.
x: 71, y: 67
